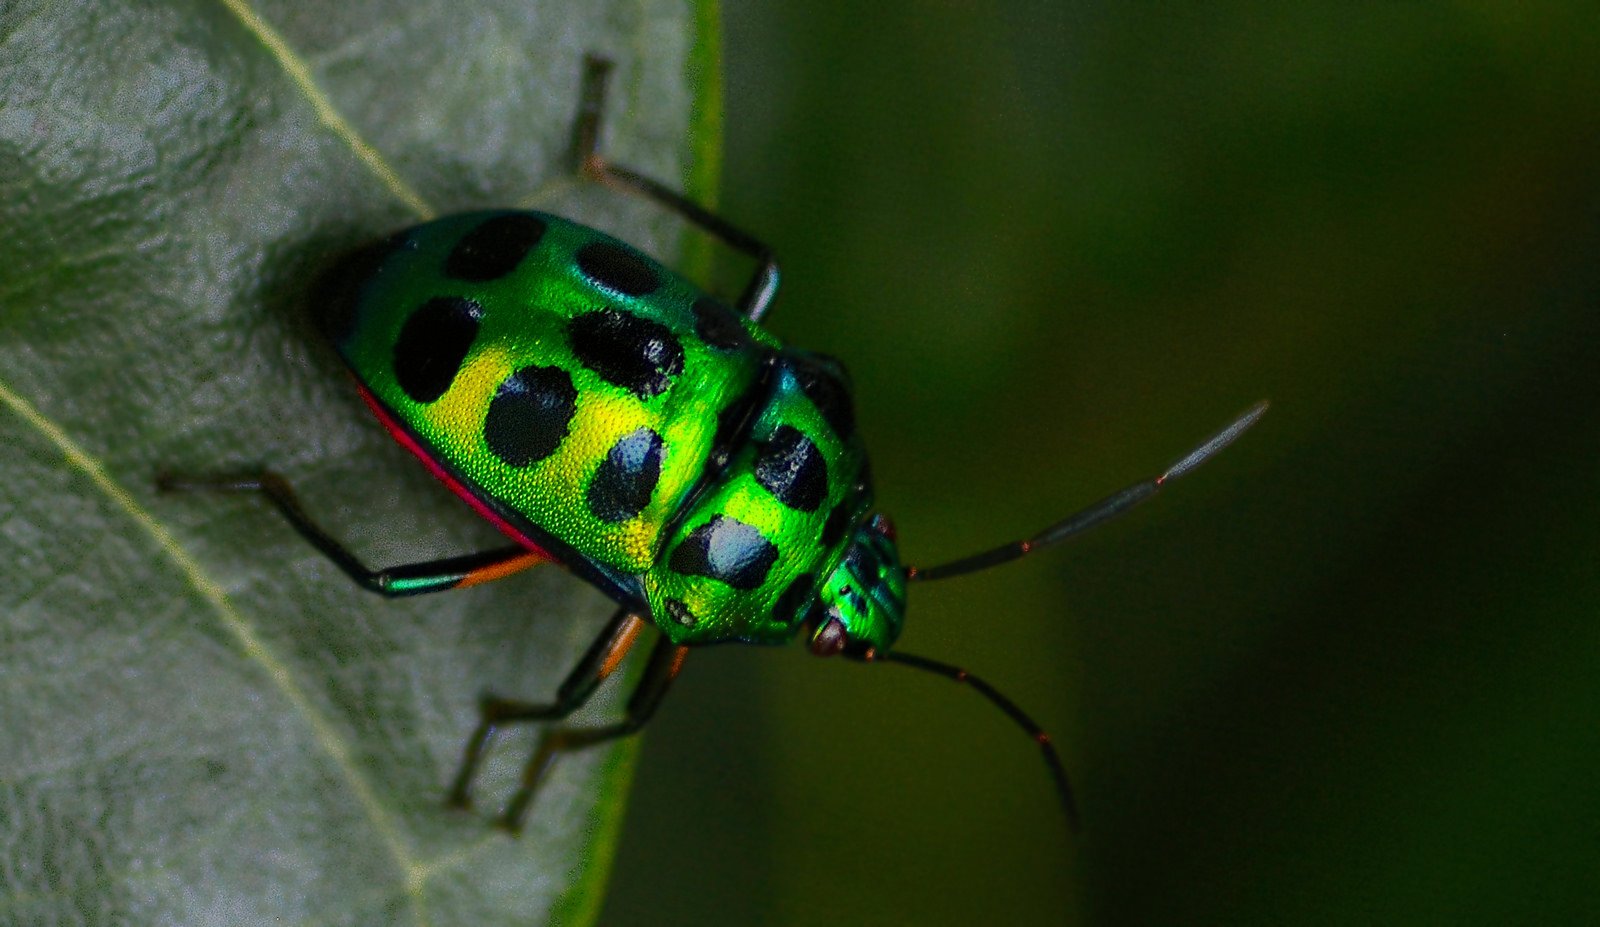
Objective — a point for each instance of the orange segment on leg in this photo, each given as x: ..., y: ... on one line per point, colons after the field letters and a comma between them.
x: 502, y: 569
x: 620, y: 645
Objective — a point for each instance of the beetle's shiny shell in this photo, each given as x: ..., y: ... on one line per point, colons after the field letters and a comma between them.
x: 603, y: 409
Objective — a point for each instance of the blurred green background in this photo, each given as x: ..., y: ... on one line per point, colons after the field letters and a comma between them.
x: 1349, y: 672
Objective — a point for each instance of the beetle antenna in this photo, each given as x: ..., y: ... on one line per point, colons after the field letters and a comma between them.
x: 1052, y: 759
x: 1098, y: 513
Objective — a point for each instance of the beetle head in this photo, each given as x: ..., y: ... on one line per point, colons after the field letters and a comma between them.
x: 862, y: 603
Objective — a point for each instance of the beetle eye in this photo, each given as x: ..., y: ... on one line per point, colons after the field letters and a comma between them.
x: 829, y: 639
x: 883, y: 525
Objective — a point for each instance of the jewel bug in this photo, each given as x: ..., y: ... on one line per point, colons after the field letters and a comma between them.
x: 611, y: 417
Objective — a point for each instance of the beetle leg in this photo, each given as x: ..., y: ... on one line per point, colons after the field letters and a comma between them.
x: 763, y: 286
x: 599, y: 661
x: 665, y: 661
x: 393, y: 582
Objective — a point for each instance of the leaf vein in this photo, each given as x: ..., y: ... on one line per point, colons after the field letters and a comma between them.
x: 238, y: 626
x: 296, y: 68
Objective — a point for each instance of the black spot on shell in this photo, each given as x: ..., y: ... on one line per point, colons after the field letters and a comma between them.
x: 717, y: 325
x: 529, y: 415
x: 433, y: 342
x: 790, y: 467
x: 726, y: 549
x: 619, y: 269
x: 796, y: 599
x: 837, y: 524
x: 679, y: 611
x: 862, y: 562
x: 622, y: 487
x: 494, y: 248
x: 831, y: 397
x: 636, y: 354
x: 337, y: 292
x: 865, y: 563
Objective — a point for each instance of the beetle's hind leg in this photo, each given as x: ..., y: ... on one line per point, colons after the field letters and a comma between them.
x: 405, y: 579
x: 597, y: 663
x: 763, y: 286
x: 665, y: 661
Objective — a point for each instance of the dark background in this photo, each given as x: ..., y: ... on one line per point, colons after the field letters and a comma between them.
x: 1349, y: 672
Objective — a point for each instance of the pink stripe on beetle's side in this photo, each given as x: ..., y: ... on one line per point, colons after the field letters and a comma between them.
x: 410, y: 444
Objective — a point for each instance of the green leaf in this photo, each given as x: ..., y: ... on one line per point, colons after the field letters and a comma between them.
x: 201, y: 720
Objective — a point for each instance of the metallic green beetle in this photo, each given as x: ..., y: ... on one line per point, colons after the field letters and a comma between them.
x: 614, y: 418
x: 609, y: 416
